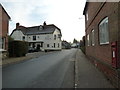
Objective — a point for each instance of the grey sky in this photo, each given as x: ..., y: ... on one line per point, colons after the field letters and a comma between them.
x: 66, y: 14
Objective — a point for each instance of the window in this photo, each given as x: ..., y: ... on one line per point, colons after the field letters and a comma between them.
x: 54, y: 37
x: 59, y: 36
x: 3, y: 42
x: 93, y: 37
x: 23, y: 38
x: 0, y: 42
x: 58, y: 45
x: 87, y: 16
x: 88, y: 40
x: 54, y: 45
x: 41, y: 45
x: 103, y: 31
x: 34, y: 37
x: 47, y: 45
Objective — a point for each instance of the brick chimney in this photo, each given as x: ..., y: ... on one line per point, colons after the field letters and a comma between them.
x: 17, y: 25
x: 44, y: 24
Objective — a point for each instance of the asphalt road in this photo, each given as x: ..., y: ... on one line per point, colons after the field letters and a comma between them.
x: 53, y: 70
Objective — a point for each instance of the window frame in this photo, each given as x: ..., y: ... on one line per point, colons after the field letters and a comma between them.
x: 87, y: 16
x: 54, y: 45
x: 103, y: 32
x: 34, y: 38
x: 55, y: 37
x: 48, y: 45
x: 93, y: 37
x: 23, y: 38
x: 88, y: 40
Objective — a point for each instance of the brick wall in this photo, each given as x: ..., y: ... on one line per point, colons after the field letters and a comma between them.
x: 119, y: 42
x: 110, y: 73
x: 119, y: 35
x: 101, y: 54
x: 4, y: 24
x: 0, y: 21
x: 92, y: 11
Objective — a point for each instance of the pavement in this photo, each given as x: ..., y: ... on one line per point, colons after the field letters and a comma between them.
x: 87, y: 75
x: 14, y: 60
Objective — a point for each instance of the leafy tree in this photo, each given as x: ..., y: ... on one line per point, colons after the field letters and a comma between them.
x: 75, y: 41
x: 10, y: 39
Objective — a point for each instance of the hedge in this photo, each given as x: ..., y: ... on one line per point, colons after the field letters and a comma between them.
x: 17, y: 48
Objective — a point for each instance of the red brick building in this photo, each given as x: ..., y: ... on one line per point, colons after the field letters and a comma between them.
x: 102, y: 29
x: 4, y: 23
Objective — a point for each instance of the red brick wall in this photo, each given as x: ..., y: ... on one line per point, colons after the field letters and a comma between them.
x: 103, y: 52
x: 119, y: 35
x: 119, y: 42
x: 0, y: 21
x: 110, y: 73
x: 4, y: 23
x: 92, y: 11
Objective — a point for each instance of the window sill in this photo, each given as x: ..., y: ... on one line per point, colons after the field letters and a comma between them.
x: 107, y: 43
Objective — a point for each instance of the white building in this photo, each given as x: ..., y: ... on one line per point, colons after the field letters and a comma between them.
x: 45, y: 37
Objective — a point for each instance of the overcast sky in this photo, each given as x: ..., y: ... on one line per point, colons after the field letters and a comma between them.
x: 65, y: 14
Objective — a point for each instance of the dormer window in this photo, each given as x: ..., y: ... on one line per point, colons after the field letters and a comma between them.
x: 41, y: 27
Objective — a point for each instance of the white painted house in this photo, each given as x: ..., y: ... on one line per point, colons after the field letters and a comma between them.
x: 47, y: 37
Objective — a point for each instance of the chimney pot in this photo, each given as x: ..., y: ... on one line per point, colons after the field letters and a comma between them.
x: 17, y: 25
x: 44, y: 23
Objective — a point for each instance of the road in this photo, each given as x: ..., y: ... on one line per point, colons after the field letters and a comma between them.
x: 53, y: 70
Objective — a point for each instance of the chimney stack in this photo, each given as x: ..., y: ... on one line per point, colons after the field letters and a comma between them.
x: 17, y: 25
x: 44, y: 24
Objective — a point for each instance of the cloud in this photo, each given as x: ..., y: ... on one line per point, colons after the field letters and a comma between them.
x: 63, y: 13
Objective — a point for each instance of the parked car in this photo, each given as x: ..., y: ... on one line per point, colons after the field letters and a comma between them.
x: 31, y: 49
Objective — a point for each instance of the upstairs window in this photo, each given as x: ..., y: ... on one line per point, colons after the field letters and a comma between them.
x: 23, y: 38
x: 34, y: 37
x: 54, y: 37
x: 54, y: 45
x: 103, y: 32
x: 58, y: 45
x: 48, y: 45
x: 93, y: 37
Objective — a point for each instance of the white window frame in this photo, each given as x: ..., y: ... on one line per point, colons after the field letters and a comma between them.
x: 93, y: 37
x: 87, y: 16
x: 103, y: 32
x: 88, y: 40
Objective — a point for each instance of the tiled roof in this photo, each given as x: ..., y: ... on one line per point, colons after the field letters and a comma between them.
x: 47, y: 29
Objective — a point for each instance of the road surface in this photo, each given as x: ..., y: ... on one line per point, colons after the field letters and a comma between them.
x: 53, y: 70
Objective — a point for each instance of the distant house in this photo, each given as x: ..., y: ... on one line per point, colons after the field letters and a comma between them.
x: 65, y: 45
x: 45, y: 37
x: 4, y: 23
x: 102, y: 36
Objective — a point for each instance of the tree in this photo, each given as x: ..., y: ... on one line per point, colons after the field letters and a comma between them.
x: 10, y: 39
x: 75, y: 41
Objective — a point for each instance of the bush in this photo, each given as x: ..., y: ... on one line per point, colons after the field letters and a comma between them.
x: 18, y: 48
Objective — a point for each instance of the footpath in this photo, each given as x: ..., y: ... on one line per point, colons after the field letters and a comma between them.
x: 13, y: 60
x: 87, y: 75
